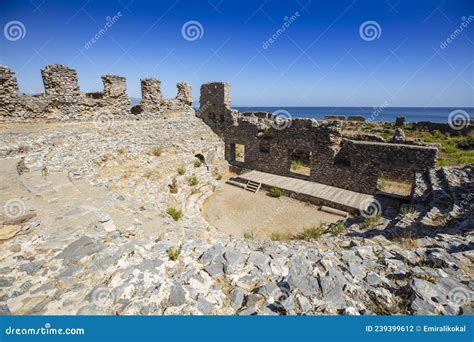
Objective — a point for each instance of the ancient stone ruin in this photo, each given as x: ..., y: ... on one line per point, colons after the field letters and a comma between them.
x: 63, y: 100
x: 153, y: 100
x: 269, y: 143
x: 112, y: 219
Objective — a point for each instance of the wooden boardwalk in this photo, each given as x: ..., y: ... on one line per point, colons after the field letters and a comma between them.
x: 328, y: 195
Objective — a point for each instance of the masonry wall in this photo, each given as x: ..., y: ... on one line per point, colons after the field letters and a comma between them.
x: 63, y: 99
x: 269, y: 143
x: 153, y: 101
x: 444, y: 127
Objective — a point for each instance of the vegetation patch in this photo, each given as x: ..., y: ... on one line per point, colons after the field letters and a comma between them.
x: 157, y: 151
x: 193, y: 180
x: 174, y: 252
x: 176, y: 214
x: 275, y: 192
x: 277, y: 236
x: 337, y: 228
x: 250, y: 235
x: 312, y: 233
x: 181, y: 170
x: 370, y: 221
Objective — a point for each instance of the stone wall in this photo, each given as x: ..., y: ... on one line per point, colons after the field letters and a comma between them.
x: 443, y: 127
x: 63, y: 99
x: 154, y: 102
x: 269, y: 143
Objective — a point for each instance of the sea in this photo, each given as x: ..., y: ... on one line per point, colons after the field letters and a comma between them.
x: 412, y: 114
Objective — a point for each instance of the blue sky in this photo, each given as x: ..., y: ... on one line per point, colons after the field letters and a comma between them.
x: 320, y: 59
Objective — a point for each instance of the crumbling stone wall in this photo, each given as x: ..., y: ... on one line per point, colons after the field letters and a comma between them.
x: 270, y: 142
x: 443, y: 127
x: 63, y: 100
x: 154, y: 102
x: 9, y: 90
x: 115, y: 93
x: 60, y: 81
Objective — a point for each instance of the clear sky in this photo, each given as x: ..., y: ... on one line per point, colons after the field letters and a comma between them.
x: 321, y: 58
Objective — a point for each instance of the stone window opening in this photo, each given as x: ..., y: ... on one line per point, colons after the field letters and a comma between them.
x: 396, y: 182
x: 300, y: 162
x: 238, y: 152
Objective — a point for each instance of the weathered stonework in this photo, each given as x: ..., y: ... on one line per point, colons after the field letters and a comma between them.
x: 153, y: 100
x: 269, y: 144
x: 444, y: 127
x: 63, y: 100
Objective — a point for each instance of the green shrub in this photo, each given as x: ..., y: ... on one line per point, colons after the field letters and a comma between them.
x: 336, y: 228
x: 437, y: 134
x: 192, y: 181
x: 467, y: 143
x: 176, y: 214
x: 181, y: 170
x: 275, y: 192
x: 197, y: 163
x: 312, y: 233
x: 249, y: 235
x: 370, y: 221
x: 295, y: 165
x: 174, y: 252
x: 157, y: 151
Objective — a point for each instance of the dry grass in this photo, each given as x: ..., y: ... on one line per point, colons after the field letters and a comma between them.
x: 312, y: 233
x: 157, y: 151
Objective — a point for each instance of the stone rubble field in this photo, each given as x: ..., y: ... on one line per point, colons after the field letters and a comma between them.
x: 85, y: 230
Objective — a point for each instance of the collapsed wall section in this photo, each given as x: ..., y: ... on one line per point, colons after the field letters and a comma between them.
x: 263, y: 142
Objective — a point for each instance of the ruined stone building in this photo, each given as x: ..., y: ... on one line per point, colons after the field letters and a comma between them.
x: 266, y: 143
x: 269, y: 144
x: 63, y: 100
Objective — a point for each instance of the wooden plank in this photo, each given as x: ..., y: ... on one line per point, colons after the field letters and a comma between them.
x: 325, y: 192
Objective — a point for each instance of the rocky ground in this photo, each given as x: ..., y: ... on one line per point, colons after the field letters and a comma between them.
x: 87, y: 230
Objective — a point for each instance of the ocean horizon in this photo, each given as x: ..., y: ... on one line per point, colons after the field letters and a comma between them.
x: 376, y: 114
x: 412, y: 114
